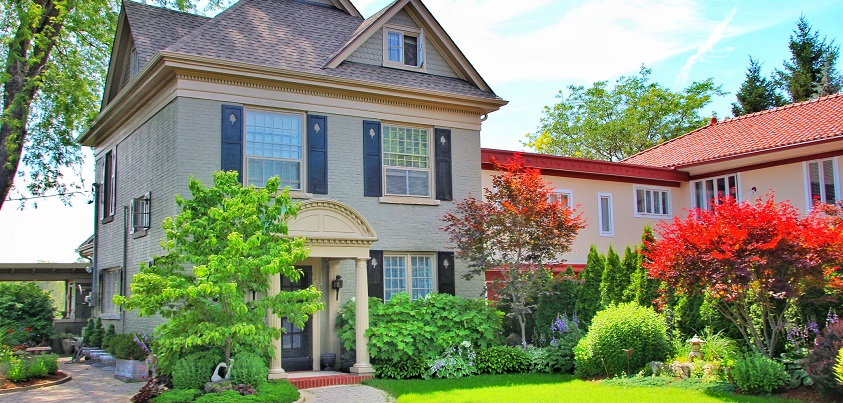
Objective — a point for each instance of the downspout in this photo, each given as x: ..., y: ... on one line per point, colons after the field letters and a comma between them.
x: 125, y: 260
x: 94, y: 260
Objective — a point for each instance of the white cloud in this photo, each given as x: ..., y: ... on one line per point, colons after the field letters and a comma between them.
x: 716, y: 35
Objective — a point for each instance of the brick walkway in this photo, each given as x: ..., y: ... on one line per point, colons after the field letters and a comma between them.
x: 345, y: 394
x: 89, y: 384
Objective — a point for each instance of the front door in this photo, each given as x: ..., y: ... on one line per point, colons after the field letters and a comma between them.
x: 296, y: 349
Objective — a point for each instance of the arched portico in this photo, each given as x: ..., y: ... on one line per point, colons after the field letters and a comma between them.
x: 334, y: 231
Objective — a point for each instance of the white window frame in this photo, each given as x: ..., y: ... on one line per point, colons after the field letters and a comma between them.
x: 655, y: 190
x: 706, y: 197
x: 302, y: 161
x: 430, y: 161
x: 408, y: 271
x: 563, y: 192
x: 420, y: 47
x: 134, y: 62
x: 110, y: 287
x: 138, y: 229
x: 611, y: 218
x: 109, y: 177
x: 809, y: 203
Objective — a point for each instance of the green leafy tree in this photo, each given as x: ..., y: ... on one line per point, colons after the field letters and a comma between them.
x: 811, y: 69
x: 614, y: 123
x: 55, y: 54
x: 757, y: 93
x: 27, y: 311
x: 614, y: 280
x: 221, y: 250
x: 588, y: 300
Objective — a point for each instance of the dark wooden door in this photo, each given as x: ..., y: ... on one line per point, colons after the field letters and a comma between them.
x: 296, y: 349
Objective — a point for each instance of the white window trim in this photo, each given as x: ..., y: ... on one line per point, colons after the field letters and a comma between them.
x: 408, y: 271
x: 600, y: 217
x: 567, y: 192
x: 692, y: 191
x: 118, y: 310
x: 422, y: 47
x: 410, y: 199
x: 135, y: 230
x: 806, y: 177
x: 638, y: 214
x: 302, y: 166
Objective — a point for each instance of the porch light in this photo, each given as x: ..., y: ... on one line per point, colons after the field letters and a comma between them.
x: 337, y: 285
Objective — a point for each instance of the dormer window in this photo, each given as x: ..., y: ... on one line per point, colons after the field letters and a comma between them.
x: 403, y: 47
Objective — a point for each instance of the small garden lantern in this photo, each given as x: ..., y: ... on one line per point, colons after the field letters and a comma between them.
x: 337, y: 285
x: 696, y: 344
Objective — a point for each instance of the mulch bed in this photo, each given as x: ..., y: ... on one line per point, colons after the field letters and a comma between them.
x: 808, y: 394
x: 6, y: 385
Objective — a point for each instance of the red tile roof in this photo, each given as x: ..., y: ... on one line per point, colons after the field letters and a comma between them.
x: 791, y: 125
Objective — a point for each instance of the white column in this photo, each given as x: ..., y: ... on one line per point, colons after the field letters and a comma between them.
x: 362, y: 366
x: 275, y: 370
x: 333, y: 309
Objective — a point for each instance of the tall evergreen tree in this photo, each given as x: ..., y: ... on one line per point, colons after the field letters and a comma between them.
x: 642, y: 289
x: 811, y: 69
x: 588, y: 301
x: 757, y: 93
x: 611, y: 290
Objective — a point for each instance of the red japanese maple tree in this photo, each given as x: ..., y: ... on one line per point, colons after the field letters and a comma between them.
x: 515, y: 229
x: 748, y: 255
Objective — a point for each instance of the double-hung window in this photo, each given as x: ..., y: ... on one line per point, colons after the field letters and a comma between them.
x: 139, y: 212
x: 822, y: 182
x: 110, y: 288
x: 606, y: 215
x: 403, y: 47
x: 711, y: 191
x: 563, y: 196
x: 109, y: 188
x: 412, y: 273
x: 406, y: 161
x: 651, y: 202
x: 274, y: 148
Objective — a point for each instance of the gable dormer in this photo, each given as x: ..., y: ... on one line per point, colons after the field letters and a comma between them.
x: 124, y: 60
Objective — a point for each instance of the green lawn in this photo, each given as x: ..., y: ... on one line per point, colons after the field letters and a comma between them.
x: 542, y: 388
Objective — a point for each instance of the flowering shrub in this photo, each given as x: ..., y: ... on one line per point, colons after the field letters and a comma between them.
x: 820, y: 362
x: 26, y: 308
x: 457, y: 362
x: 565, y: 334
x: 800, y: 338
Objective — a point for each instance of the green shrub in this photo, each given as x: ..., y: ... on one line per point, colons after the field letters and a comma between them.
x: 35, y: 368
x: 425, y: 328
x: 405, y: 369
x: 123, y: 346
x: 456, y: 362
x: 619, y: 327
x: 109, y: 334
x: 16, y: 370
x: 560, y: 298
x: 24, y: 306
x: 51, y: 362
x: 758, y: 374
x: 838, y: 368
x: 538, y: 360
x: 178, y: 396
x: 502, y: 360
x: 248, y: 368
x: 820, y: 362
x: 194, y: 370
x: 228, y: 396
x: 97, y: 333
x: 280, y: 391
x: 87, y: 332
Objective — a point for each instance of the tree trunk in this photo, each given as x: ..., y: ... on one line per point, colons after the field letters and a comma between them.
x: 522, y: 320
x: 227, y: 357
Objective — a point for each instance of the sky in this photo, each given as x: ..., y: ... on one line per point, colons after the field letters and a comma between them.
x: 529, y: 50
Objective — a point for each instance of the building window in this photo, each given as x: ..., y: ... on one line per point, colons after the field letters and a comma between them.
x: 403, y: 46
x: 406, y: 161
x: 134, y: 63
x: 566, y: 197
x: 110, y: 288
x: 606, y: 215
x: 274, y: 148
x: 415, y: 278
x: 109, y: 181
x: 711, y: 191
x: 139, y: 211
x: 651, y: 202
x: 822, y: 182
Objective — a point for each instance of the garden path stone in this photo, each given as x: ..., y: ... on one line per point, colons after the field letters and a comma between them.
x: 89, y: 384
x: 345, y: 394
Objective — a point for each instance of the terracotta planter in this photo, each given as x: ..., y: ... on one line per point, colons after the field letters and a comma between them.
x: 131, y: 370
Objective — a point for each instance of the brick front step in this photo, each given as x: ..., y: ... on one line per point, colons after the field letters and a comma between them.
x: 333, y: 380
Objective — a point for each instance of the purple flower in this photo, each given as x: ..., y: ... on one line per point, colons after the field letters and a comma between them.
x: 832, y: 318
x: 813, y: 327
x: 554, y: 342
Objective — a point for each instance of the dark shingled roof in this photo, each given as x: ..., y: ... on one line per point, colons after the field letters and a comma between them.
x: 155, y: 28
x: 285, y: 34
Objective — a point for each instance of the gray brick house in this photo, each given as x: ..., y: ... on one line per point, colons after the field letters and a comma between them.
x: 373, y: 123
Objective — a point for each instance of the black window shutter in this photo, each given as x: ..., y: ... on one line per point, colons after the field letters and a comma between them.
x: 375, y: 273
x: 442, y: 150
x: 317, y: 154
x: 445, y: 272
x: 232, y: 139
x: 372, y: 160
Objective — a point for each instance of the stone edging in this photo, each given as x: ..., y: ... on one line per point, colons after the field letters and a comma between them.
x: 66, y: 378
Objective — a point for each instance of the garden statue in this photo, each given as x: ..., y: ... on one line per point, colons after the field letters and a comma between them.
x: 217, y: 377
x: 696, y: 343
